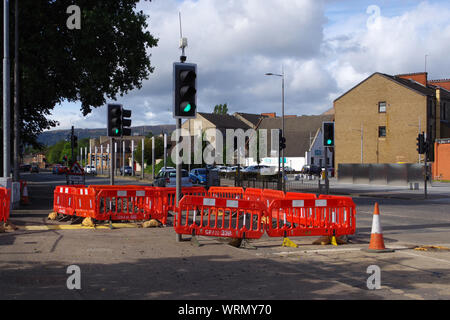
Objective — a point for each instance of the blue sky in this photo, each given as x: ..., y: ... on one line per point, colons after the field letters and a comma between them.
x: 325, y: 46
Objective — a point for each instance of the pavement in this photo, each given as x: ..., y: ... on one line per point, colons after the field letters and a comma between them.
x: 137, y: 263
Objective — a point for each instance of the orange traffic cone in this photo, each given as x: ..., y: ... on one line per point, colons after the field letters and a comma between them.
x: 376, y: 238
x: 24, y: 198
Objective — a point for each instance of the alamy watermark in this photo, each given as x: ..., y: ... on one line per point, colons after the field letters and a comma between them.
x: 374, y: 281
x: 74, y: 20
x: 74, y: 280
x: 232, y: 147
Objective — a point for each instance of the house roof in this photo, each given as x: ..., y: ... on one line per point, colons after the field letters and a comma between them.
x: 410, y: 84
x: 226, y: 121
x: 298, y: 132
x: 414, y: 85
x: 251, y: 117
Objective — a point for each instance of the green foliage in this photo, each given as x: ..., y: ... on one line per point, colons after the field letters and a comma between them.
x: 55, y: 153
x: 108, y: 57
x: 221, y: 109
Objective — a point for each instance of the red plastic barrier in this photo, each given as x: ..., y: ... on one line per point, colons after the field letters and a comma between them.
x: 5, y: 204
x: 253, y: 194
x: 218, y: 217
x: 85, y: 202
x: 299, y: 196
x: 226, y: 192
x: 311, y: 217
x: 269, y: 195
x: 124, y: 204
x: 165, y: 200
x: 64, y: 199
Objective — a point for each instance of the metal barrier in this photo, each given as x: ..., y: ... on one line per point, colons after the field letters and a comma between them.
x: 218, y: 217
x: 5, y: 204
x: 311, y: 217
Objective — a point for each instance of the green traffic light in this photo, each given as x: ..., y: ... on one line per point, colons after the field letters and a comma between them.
x: 117, y: 131
x: 330, y: 141
x: 188, y: 108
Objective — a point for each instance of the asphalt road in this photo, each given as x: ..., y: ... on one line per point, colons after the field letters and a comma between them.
x: 150, y: 264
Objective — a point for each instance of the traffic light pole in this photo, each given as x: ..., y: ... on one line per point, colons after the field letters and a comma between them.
x: 112, y: 162
x: 327, y: 181
x: 426, y: 176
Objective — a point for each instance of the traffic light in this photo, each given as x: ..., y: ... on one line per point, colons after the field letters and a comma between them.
x: 282, y: 141
x: 114, y: 120
x: 421, y: 144
x: 118, y: 121
x: 126, y: 122
x: 185, y: 90
x: 328, y: 134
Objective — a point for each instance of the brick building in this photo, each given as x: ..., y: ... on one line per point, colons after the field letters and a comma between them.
x: 379, y: 119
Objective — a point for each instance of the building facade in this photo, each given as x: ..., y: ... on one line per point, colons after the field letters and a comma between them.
x: 378, y: 120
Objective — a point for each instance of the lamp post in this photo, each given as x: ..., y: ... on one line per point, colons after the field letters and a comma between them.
x: 6, y: 92
x: 282, y: 122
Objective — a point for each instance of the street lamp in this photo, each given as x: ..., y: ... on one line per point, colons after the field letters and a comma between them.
x: 282, y: 121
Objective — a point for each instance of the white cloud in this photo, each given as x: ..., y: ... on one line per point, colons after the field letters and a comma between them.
x: 235, y: 42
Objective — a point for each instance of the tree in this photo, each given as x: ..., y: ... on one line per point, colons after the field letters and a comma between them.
x: 108, y: 57
x: 221, y: 109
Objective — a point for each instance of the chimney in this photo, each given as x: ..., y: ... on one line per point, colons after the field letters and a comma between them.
x: 443, y: 83
x: 421, y: 77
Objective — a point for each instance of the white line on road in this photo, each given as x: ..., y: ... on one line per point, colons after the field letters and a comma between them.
x: 425, y: 257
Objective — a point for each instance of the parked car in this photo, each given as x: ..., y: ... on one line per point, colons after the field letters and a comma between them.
x: 261, y: 169
x: 312, y: 169
x: 234, y: 169
x: 167, y: 178
x: 222, y: 169
x: 90, y: 169
x: 167, y: 169
x: 127, y: 169
x: 25, y: 167
x: 55, y: 168
x: 198, y: 176
x: 34, y: 168
x: 289, y: 170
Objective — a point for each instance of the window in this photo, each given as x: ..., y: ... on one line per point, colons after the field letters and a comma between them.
x: 312, y: 160
x: 382, y: 132
x: 382, y: 107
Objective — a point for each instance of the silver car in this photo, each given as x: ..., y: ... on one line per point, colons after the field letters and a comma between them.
x: 168, y: 179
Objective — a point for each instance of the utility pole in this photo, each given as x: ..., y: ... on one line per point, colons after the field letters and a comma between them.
x: 165, y: 150
x: 115, y: 157
x: 153, y: 158
x: 6, y: 93
x: 132, y: 158
x: 16, y: 95
x: 142, y: 163
x: 123, y: 157
x: 101, y: 159
x: 72, y: 142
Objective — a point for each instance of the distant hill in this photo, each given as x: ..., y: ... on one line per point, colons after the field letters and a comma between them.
x: 50, y: 138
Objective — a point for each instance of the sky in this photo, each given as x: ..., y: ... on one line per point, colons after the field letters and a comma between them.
x: 325, y: 47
